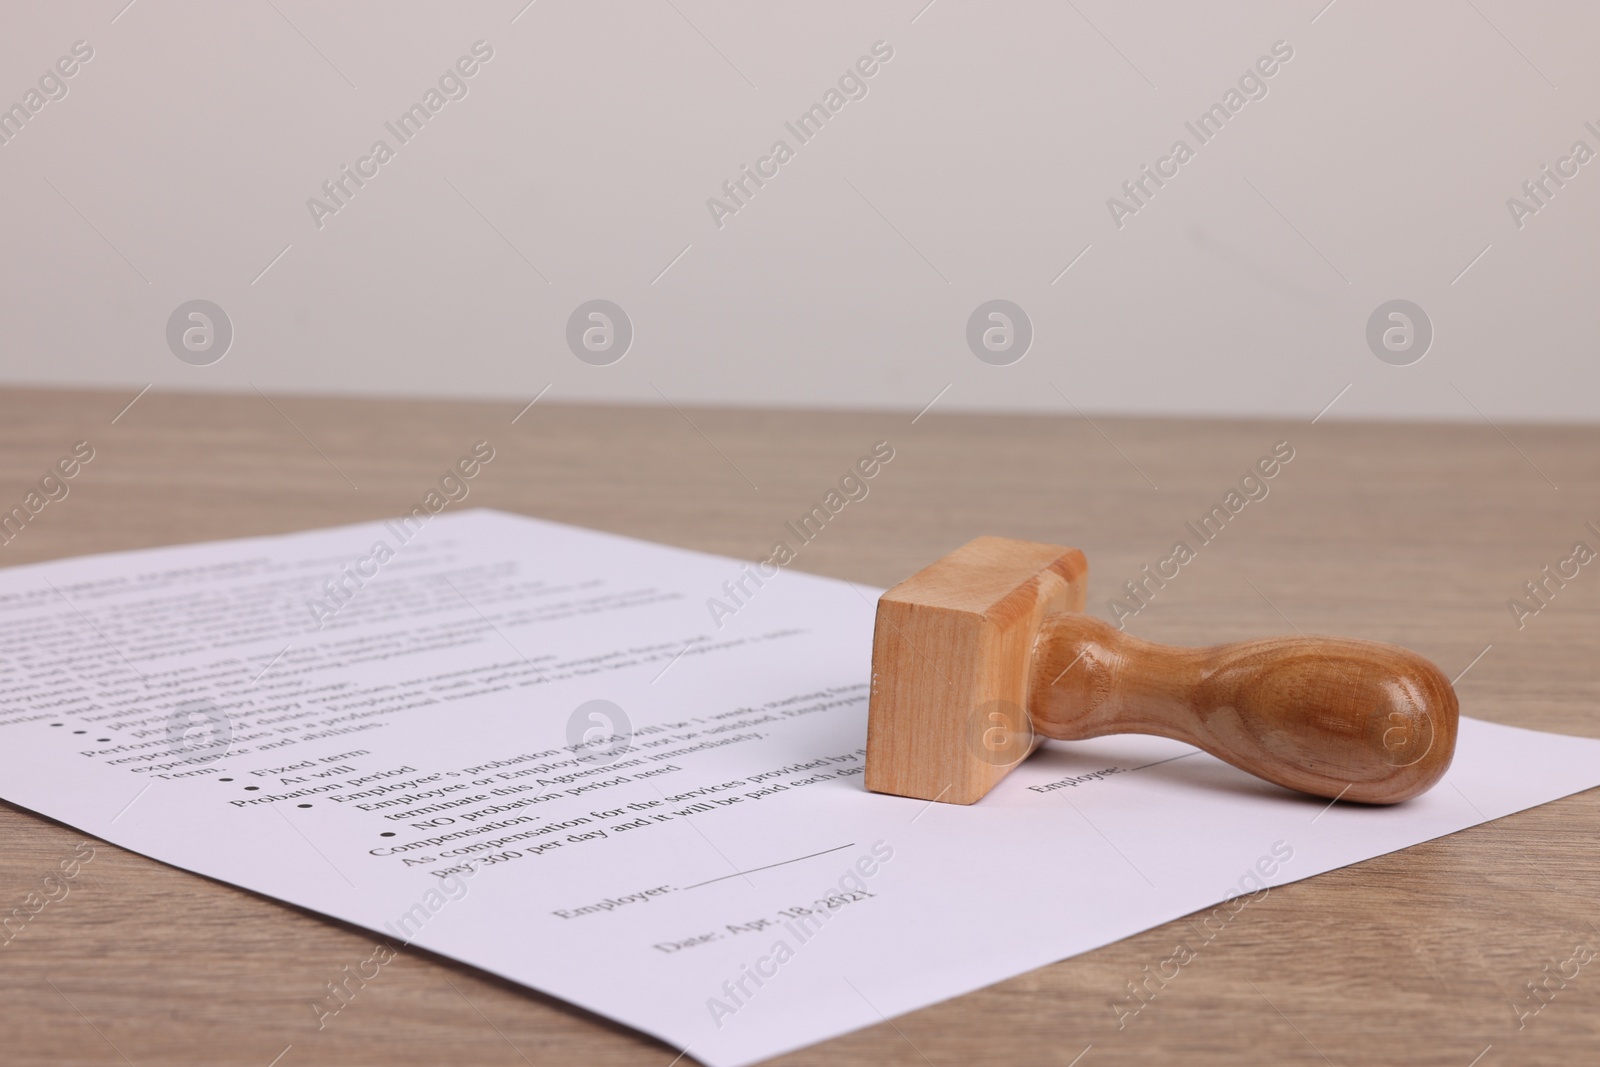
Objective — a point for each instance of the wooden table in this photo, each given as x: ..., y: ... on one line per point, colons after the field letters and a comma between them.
x: 1406, y: 533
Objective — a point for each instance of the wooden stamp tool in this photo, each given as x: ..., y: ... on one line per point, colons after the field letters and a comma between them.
x: 978, y: 657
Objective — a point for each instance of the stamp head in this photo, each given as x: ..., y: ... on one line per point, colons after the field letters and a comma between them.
x: 950, y: 666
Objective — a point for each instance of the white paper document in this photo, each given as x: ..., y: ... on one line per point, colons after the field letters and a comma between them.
x: 535, y: 749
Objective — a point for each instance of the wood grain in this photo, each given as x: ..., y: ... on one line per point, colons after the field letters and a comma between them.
x: 951, y: 649
x: 1362, y: 720
x: 1416, y: 535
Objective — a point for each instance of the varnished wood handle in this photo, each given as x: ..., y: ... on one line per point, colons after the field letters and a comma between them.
x: 1338, y: 718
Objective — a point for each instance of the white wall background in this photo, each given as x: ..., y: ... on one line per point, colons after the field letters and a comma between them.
x: 179, y: 163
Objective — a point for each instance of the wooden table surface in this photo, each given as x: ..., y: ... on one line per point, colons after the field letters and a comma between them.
x: 1416, y: 534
